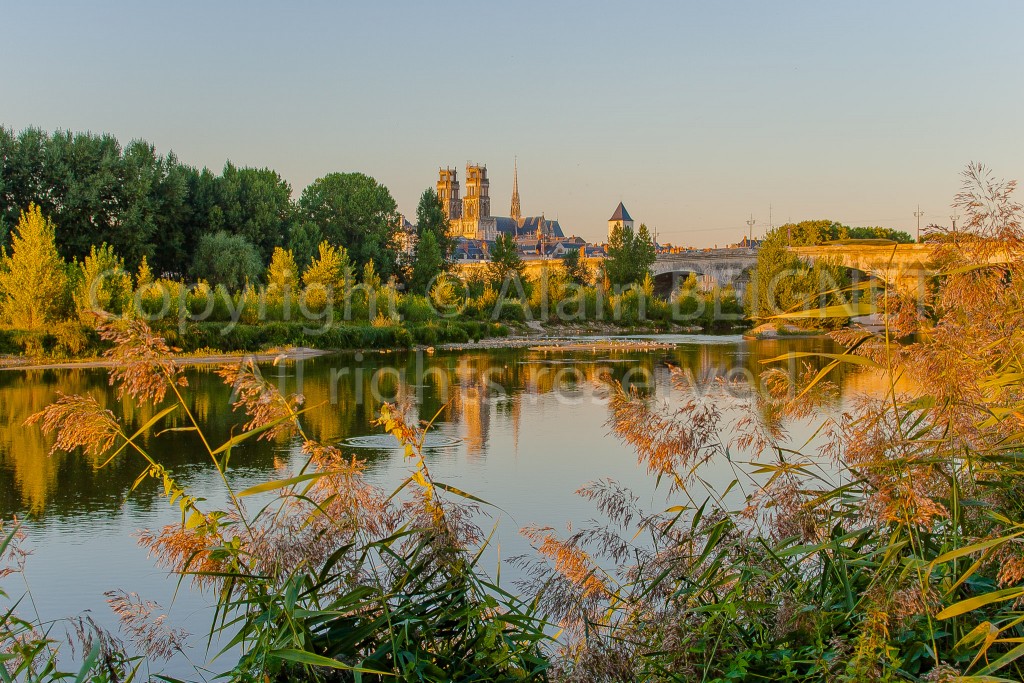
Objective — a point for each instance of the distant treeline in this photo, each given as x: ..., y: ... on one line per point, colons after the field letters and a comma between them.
x: 811, y: 233
x: 144, y: 204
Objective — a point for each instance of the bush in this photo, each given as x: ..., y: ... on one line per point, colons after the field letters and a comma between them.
x: 71, y: 339
x: 511, y: 310
x: 416, y: 309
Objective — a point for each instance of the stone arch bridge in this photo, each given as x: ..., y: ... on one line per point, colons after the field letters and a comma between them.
x: 904, y: 265
x: 712, y: 267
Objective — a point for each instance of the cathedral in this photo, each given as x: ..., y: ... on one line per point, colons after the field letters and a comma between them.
x: 470, y: 216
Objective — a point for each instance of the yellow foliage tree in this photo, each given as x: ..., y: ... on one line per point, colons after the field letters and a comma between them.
x: 33, y: 279
x: 144, y: 276
x: 282, y: 276
x: 328, y: 277
x: 104, y: 286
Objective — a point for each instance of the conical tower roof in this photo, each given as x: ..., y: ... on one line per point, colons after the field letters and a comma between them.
x: 620, y: 214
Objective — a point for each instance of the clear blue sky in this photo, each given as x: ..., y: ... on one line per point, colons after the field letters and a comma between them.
x: 694, y: 114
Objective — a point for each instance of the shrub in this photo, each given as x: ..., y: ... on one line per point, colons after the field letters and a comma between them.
x: 416, y: 309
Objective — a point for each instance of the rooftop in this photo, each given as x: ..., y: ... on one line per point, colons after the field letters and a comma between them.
x: 620, y: 214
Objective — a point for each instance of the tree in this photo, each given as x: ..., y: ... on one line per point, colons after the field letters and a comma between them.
x: 429, y: 263
x: 303, y: 241
x: 879, y: 233
x: 811, y: 232
x: 575, y: 268
x: 505, y: 260
x: 103, y: 285
x: 630, y: 255
x: 371, y: 280
x: 172, y: 244
x: 430, y: 218
x: 354, y: 211
x: 780, y: 281
x: 143, y: 275
x: 256, y: 203
x: 228, y: 260
x: 282, y: 276
x: 154, y: 208
x: 33, y: 279
x: 329, y: 275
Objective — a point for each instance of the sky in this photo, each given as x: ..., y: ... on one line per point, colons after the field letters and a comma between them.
x: 696, y: 115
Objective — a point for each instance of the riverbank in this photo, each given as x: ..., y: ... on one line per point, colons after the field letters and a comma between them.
x: 287, y: 355
x: 215, y: 343
x: 545, y: 342
x: 781, y: 331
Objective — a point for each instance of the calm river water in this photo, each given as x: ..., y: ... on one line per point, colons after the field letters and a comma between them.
x: 522, y: 429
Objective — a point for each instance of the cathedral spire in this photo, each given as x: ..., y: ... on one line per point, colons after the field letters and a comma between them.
x: 515, y: 212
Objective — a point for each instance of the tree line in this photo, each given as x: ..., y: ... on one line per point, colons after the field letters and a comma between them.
x: 186, y: 221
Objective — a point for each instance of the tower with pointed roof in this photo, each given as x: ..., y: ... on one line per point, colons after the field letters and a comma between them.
x: 619, y: 219
x: 515, y: 213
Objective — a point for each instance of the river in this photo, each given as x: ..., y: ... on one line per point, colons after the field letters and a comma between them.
x: 522, y: 429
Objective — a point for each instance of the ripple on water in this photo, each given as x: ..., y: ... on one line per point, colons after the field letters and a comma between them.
x: 386, y: 442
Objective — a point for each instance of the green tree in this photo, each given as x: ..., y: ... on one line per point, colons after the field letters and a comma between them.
x: 576, y: 269
x: 133, y: 199
x: 153, y: 210
x: 33, y: 279
x: 303, y: 241
x: 430, y: 218
x: 428, y: 264
x: 630, y: 255
x: 228, y: 260
x: 256, y: 203
x: 505, y: 261
x: 354, y: 211
x: 811, y: 232
x: 879, y: 233
x: 780, y: 281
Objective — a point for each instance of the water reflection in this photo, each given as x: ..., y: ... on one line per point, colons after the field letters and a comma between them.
x: 523, y: 429
x: 467, y: 394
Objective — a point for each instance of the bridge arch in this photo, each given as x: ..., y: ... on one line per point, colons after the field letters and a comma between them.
x: 713, y: 267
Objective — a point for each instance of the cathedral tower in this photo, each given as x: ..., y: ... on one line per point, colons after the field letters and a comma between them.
x: 448, y: 193
x: 477, y: 203
x: 516, y: 213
